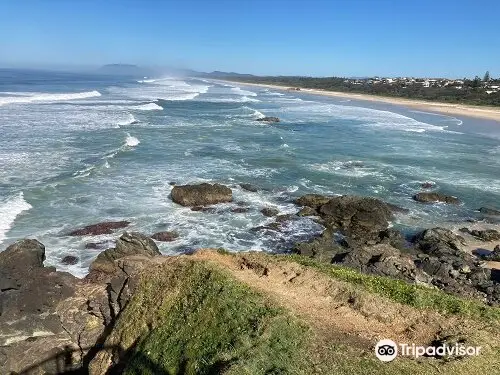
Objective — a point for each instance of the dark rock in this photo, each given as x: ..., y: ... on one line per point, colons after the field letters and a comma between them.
x: 286, y: 217
x: 127, y: 244
x: 166, y: 236
x: 314, y: 201
x: 440, y: 242
x: 172, y: 183
x: 201, y: 194
x: 396, y: 209
x: 268, y: 119
x: 360, y: 218
x: 307, y: 211
x: 97, y: 245
x: 487, y: 235
x: 240, y: 210
x: 489, y: 211
x: 69, y: 260
x: 323, y: 248
x: 249, y: 187
x: 494, y: 255
x: 427, y: 185
x: 432, y: 197
x: 101, y: 228
x: 392, y: 237
x: 269, y: 211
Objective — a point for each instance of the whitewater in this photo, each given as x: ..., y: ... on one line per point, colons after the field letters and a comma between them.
x: 80, y: 149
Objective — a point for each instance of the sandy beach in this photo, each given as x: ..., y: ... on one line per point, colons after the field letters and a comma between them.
x: 489, y: 113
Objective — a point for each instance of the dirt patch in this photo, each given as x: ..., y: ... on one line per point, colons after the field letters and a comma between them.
x: 335, y: 310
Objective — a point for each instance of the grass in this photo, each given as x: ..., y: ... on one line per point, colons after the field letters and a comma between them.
x: 212, y: 324
x: 402, y: 292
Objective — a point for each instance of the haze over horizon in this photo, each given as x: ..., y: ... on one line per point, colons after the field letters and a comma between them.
x: 316, y: 38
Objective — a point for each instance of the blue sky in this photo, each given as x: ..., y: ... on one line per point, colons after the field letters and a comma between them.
x: 452, y: 38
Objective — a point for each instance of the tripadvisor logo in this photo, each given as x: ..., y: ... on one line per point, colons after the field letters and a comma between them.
x: 387, y: 350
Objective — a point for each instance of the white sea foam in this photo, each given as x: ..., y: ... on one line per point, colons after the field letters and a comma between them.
x: 131, y: 141
x: 129, y: 121
x: 10, y: 209
x: 31, y: 97
x: 149, y: 107
x: 239, y: 91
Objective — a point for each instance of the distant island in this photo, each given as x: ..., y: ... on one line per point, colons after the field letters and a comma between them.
x: 476, y: 91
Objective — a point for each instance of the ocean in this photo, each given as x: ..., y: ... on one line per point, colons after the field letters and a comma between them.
x: 78, y: 149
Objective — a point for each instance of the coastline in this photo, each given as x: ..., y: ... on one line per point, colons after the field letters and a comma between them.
x: 488, y: 113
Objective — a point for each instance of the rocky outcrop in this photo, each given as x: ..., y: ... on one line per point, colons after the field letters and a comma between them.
x: 486, y: 235
x: 489, y: 211
x: 269, y: 211
x: 433, y: 197
x: 249, y: 187
x: 314, y: 201
x: 128, y: 244
x: 69, y: 260
x: 268, y: 119
x: 201, y: 194
x: 359, y: 218
x: 107, y: 227
x: 167, y: 236
x: 29, y: 295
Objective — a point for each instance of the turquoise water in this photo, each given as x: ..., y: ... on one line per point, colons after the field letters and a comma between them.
x: 79, y: 149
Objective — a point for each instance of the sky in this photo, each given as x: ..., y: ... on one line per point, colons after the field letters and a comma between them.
x: 431, y: 38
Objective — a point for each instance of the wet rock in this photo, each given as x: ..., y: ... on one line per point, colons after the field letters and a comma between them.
x: 166, y: 236
x: 493, y: 255
x: 486, y: 235
x: 360, y: 218
x: 69, y: 260
x: 172, y: 183
x: 249, y: 187
x: 307, y: 211
x: 286, y: 217
x: 323, y: 248
x: 269, y: 211
x: 489, y: 211
x: 427, y: 185
x: 107, y: 227
x: 98, y: 245
x: 201, y: 194
x: 240, y: 210
x: 313, y: 201
x: 396, y: 209
x: 268, y: 119
x: 432, y: 197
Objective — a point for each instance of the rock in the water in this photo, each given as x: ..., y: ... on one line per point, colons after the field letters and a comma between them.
x: 249, y: 187
x: 201, y: 194
x: 427, y: 185
x: 240, y: 210
x: 489, y: 211
x: 313, y: 200
x: 307, y: 211
x: 101, y: 228
x: 269, y: 119
x: 69, y: 260
x: 432, y: 197
x: 98, y: 245
x: 166, y: 236
x: 360, y: 218
x: 484, y: 235
x: 322, y: 248
x: 269, y: 211
x: 127, y: 244
x: 494, y: 255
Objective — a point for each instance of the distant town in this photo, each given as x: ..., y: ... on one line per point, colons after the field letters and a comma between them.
x: 475, y: 91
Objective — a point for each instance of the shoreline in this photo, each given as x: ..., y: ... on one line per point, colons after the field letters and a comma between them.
x: 485, y: 113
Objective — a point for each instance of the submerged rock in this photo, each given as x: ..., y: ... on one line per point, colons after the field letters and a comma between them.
x: 489, y: 211
x: 69, y: 260
x: 249, y: 187
x: 432, y: 197
x: 427, y: 185
x: 269, y: 211
x: 268, y: 119
x: 166, y: 236
x: 107, y: 227
x: 201, y: 194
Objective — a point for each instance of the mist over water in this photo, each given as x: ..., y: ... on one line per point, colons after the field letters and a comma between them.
x: 76, y: 150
